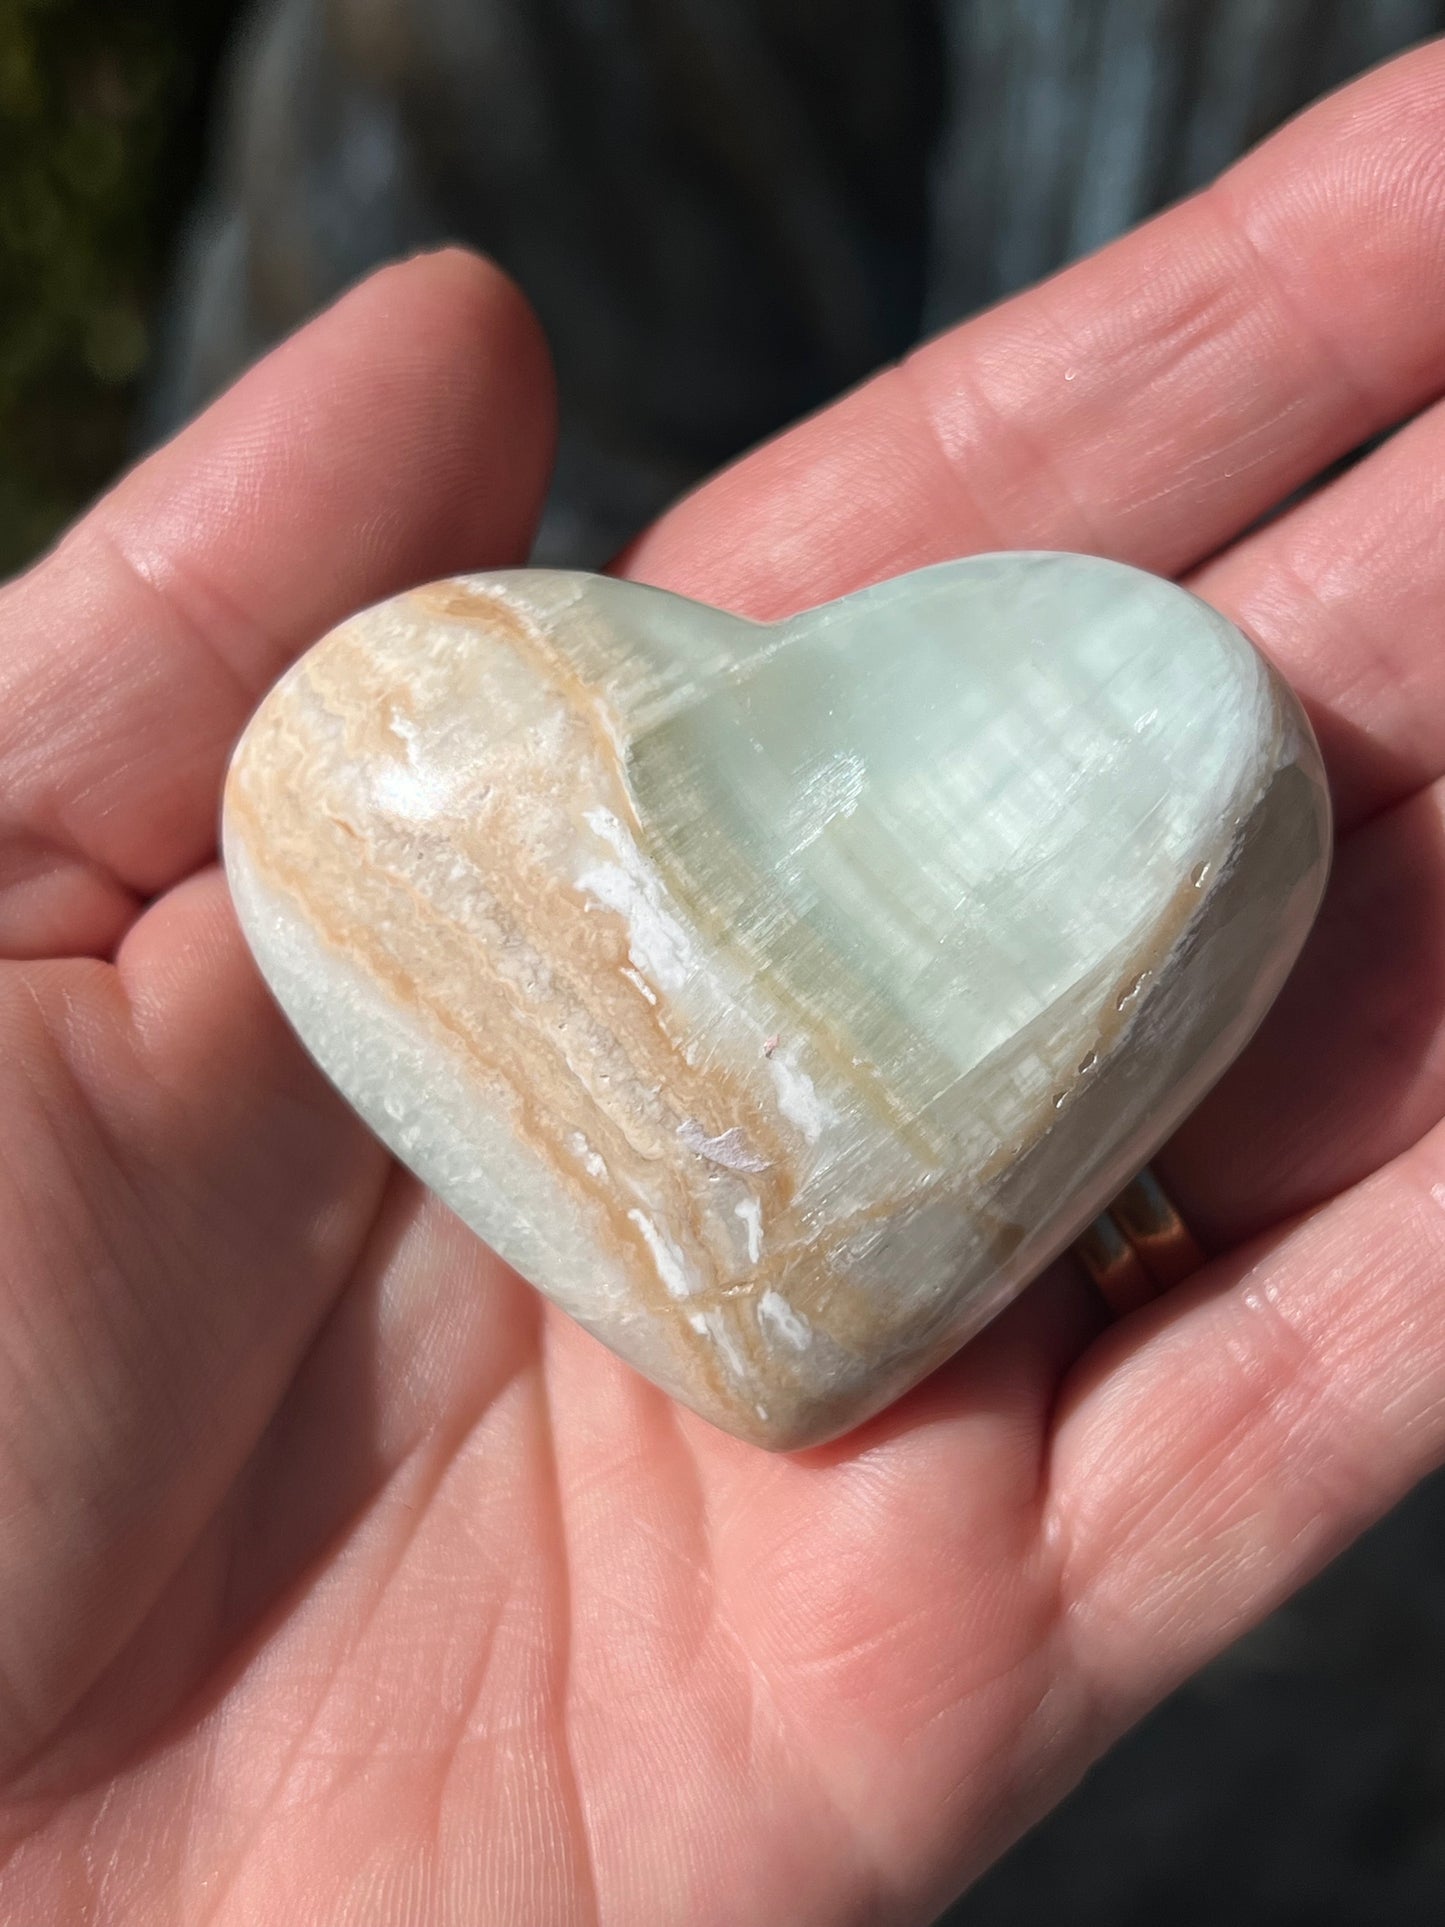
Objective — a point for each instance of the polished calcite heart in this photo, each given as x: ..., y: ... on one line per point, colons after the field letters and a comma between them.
x: 779, y: 999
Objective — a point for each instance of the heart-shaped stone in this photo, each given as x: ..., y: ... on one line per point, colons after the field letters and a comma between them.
x: 779, y: 1000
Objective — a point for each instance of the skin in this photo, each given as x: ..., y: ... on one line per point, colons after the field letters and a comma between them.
x: 342, y: 1581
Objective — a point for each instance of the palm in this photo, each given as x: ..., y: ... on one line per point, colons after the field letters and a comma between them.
x: 339, y: 1578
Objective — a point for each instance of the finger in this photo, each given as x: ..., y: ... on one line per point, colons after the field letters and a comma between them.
x: 1347, y: 594
x: 1348, y: 1069
x: 1215, y: 1453
x: 405, y: 434
x: 1148, y: 403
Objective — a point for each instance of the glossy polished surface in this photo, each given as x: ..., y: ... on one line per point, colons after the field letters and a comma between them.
x: 779, y: 1000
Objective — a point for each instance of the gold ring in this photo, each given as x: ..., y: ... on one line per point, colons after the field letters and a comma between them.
x: 1139, y: 1247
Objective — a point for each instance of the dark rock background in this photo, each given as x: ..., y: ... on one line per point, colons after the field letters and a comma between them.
x: 725, y: 211
x: 103, y: 108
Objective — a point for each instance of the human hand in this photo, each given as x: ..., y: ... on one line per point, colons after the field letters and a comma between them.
x: 340, y: 1579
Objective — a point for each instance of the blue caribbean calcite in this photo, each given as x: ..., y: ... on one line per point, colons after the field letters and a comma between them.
x: 779, y: 1000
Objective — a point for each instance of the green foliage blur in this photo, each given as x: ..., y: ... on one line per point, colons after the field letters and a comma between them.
x: 101, y: 140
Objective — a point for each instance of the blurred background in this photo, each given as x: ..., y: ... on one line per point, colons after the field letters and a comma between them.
x: 725, y: 211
